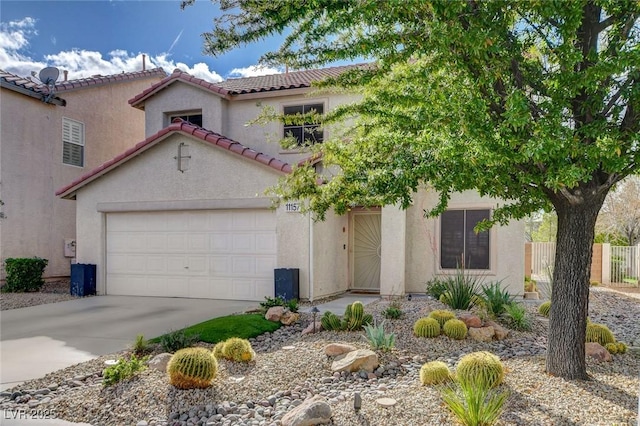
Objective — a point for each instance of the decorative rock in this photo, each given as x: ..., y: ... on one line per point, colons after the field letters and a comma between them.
x: 313, y: 411
x: 532, y: 295
x: 597, y: 352
x: 335, y: 349
x: 501, y: 333
x: 142, y: 423
x: 160, y: 361
x: 470, y: 320
x: 274, y: 314
x: 386, y: 402
x: 309, y: 328
x: 361, y: 359
x: 289, y: 318
x: 482, y: 334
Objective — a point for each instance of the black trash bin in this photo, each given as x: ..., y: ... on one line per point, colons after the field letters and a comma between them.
x: 287, y: 283
x: 83, y: 279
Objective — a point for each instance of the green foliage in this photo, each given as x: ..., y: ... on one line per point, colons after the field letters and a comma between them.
x: 599, y: 333
x: 24, y: 274
x: 436, y: 288
x: 192, y: 368
x: 426, y: 327
x: 367, y: 319
x: 378, y: 338
x: 238, y: 350
x: 353, y: 319
x: 516, y: 317
x: 530, y: 285
x: 141, y: 345
x: 442, y: 316
x: 455, y: 329
x: 547, y: 230
x: 271, y: 302
x: 292, y: 305
x: 545, y: 308
x: 461, y: 289
x: 481, y: 368
x: 392, y: 312
x: 473, y: 404
x: 177, y: 339
x: 124, y: 369
x: 434, y: 373
x: 495, y: 299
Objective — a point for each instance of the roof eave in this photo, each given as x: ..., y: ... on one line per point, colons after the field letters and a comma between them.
x: 33, y: 94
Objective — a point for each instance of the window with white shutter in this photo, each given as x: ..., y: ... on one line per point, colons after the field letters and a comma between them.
x: 72, y: 142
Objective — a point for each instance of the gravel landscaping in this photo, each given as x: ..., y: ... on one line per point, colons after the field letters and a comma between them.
x: 51, y: 292
x: 290, y: 368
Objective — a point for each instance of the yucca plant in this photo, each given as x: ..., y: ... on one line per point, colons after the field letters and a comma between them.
x: 461, y: 290
x: 474, y: 404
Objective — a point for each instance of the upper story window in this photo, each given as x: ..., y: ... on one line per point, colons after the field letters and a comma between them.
x: 307, y: 133
x: 72, y: 142
x: 460, y: 246
x: 191, y: 118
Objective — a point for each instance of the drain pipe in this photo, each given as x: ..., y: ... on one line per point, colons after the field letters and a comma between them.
x: 310, y: 258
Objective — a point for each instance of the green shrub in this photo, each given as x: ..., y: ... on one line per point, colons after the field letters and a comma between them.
x: 292, y: 305
x: 192, y: 368
x: 392, y: 312
x: 238, y: 350
x: 473, y: 404
x: 176, y: 340
x: 270, y: 302
x: 24, y: 274
x: 461, y: 290
x: 530, y: 285
x: 599, y: 333
x: 495, y: 299
x: 124, y: 369
x: 434, y: 372
x: 141, y: 345
x: 330, y: 321
x: 442, y: 316
x: 435, y: 288
x: 482, y: 367
x: 455, y: 329
x: 426, y: 327
x: 378, y: 338
x: 545, y: 308
x: 516, y: 317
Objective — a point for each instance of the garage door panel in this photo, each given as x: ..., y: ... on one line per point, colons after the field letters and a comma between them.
x: 203, y: 254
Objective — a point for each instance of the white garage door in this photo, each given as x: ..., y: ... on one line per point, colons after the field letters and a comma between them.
x: 213, y: 254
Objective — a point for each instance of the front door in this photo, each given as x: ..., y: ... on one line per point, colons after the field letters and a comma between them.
x: 367, y: 245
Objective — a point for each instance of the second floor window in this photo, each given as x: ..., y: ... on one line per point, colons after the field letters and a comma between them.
x: 191, y: 118
x: 306, y: 133
x: 72, y: 142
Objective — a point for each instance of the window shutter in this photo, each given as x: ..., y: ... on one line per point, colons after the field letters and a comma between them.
x: 72, y: 142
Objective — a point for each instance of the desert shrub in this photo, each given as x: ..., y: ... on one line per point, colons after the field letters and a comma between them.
x: 495, y: 299
x: 481, y: 367
x: 176, y: 340
x: 473, y: 404
x: 24, y: 274
x: 391, y: 312
x: 378, y: 338
x: 192, y: 368
x: 435, y: 288
x: 515, y: 316
x: 271, y: 302
x: 434, y: 372
x: 124, y: 369
x: 141, y: 345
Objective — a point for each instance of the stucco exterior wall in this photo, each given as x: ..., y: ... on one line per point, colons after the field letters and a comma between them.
x: 506, y: 244
x: 330, y: 256
x: 31, y: 168
x: 181, y: 98
x: 153, y: 177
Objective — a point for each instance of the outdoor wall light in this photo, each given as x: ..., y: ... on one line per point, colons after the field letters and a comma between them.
x: 314, y: 311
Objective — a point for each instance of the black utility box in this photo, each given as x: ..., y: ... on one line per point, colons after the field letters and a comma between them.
x: 287, y: 282
x: 83, y: 279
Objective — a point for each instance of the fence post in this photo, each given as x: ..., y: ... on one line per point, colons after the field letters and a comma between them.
x: 606, y: 263
x: 527, y: 260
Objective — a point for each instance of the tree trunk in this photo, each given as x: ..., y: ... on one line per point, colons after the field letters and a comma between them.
x: 570, y: 290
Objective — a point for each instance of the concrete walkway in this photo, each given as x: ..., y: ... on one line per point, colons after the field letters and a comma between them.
x: 337, y: 306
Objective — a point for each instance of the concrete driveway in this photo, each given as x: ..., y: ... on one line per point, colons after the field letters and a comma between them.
x: 40, y: 339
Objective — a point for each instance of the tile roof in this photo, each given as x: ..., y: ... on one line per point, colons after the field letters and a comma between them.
x: 240, y: 86
x: 178, y: 126
x: 97, y: 80
x: 27, y: 87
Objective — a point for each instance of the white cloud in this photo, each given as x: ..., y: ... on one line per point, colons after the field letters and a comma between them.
x: 253, y: 71
x: 15, y: 58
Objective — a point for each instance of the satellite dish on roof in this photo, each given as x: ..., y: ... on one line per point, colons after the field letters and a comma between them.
x: 49, y: 75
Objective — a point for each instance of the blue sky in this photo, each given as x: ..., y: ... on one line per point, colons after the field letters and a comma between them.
x: 108, y: 37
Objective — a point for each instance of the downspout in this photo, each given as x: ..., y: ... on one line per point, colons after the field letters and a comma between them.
x: 310, y: 263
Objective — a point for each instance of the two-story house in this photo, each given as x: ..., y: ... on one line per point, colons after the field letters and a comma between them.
x: 183, y: 213
x: 47, y: 141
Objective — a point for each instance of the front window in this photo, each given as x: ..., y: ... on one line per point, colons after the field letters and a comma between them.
x: 460, y: 246
x: 72, y: 142
x: 307, y: 133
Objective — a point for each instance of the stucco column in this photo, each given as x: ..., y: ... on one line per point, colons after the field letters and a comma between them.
x: 606, y: 263
x: 392, y: 267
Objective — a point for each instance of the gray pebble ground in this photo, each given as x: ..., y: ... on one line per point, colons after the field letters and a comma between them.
x: 261, y: 392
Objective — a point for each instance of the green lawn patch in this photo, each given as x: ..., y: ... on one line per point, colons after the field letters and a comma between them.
x: 244, y: 326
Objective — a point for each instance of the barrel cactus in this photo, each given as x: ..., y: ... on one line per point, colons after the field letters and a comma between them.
x: 599, y: 333
x: 434, y: 372
x: 357, y: 314
x: 612, y: 348
x: 455, y: 329
x: 330, y: 321
x: 622, y: 347
x: 442, y: 316
x: 545, y: 308
x: 367, y: 319
x: 192, y: 368
x: 217, y: 350
x: 426, y: 327
x: 482, y: 368
x: 237, y: 349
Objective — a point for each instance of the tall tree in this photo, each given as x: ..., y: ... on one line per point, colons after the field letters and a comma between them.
x: 536, y: 103
x: 620, y: 214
